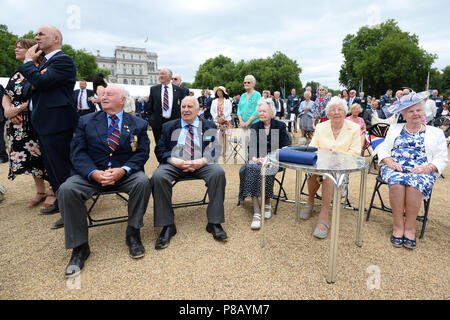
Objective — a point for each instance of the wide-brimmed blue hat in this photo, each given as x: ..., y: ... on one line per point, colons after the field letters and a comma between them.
x: 405, y: 102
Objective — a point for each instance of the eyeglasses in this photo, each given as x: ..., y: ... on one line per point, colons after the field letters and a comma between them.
x: 175, y: 79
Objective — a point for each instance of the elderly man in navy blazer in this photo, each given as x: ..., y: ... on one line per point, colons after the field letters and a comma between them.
x: 52, y: 113
x: 82, y: 99
x: 108, y: 152
x: 188, y: 148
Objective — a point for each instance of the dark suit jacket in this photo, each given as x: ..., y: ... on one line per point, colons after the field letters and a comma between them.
x: 186, y: 90
x: 368, y: 117
x: 89, y: 149
x: 254, y: 144
x: 169, y: 140
x: 90, y: 93
x: 362, y: 102
x: 53, y: 110
x: 155, y: 106
x: 282, y: 106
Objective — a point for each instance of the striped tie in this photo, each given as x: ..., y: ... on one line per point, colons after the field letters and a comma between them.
x: 42, y: 63
x: 166, y: 98
x: 113, y: 134
x: 188, y: 151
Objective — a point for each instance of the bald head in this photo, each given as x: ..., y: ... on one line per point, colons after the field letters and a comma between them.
x: 49, y: 39
x: 176, y: 79
x: 113, y: 99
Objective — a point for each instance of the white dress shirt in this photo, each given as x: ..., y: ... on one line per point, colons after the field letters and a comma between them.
x: 84, y: 103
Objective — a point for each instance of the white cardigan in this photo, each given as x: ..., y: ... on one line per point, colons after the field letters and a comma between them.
x: 227, y: 108
x: 435, y: 145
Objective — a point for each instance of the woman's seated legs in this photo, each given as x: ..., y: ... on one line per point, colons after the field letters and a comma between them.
x: 413, y: 202
x: 397, y: 201
x: 327, y: 195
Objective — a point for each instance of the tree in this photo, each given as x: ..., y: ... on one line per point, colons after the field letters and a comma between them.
x: 274, y: 73
x: 85, y: 62
x: 386, y: 58
x: 8, y: 62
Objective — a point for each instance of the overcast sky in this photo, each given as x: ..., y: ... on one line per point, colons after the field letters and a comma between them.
x: 184, y: 33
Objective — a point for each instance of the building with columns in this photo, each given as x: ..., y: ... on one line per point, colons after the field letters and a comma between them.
x: 133, y: 66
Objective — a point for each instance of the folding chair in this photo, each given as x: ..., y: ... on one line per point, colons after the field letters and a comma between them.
x: 106, y: 221
x: 190, y: 203
x: 378, y: 130
x: 236, y: 144
x: 376, y: 191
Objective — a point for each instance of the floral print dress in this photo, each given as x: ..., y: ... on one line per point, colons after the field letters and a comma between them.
x: 409, y: 152
x: 21, y: 141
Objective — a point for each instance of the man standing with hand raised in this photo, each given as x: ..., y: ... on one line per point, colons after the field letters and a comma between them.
x: 52, y: 113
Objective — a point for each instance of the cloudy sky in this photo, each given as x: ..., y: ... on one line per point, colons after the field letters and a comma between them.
x: 184, y: 33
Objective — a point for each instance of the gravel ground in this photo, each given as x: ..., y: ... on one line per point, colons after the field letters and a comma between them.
x: 292, y: 265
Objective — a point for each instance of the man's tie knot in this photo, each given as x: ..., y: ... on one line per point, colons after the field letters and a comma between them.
x: 43, y: 62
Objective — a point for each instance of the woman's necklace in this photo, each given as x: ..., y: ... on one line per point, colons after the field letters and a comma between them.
x: 420, y: 128
x: 335, y: 131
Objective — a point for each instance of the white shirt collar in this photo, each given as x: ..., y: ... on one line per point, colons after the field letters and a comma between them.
x: 51, y: 54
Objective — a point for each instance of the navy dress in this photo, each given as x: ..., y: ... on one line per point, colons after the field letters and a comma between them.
x: 409, y: 152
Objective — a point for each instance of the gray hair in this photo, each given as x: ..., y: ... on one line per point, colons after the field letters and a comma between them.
x: 252, y: 79
x: 123, y: 93
x: 307, y: 92
x: 336, y: 101
x: 168, y: 71
x: 323, y: 87
x: 268, y: 102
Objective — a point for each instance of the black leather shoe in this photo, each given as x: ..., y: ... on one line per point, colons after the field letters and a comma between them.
x: 218, y: 233
x: 58, y: 224
x: 50, y: 210
x: 134, y: 243
x: 164, y: 237
x: 397, y: 242
x: 76, y: 263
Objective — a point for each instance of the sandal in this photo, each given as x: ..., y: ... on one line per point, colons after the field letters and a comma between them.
x: 319, y: 233
x: 49, y: 200
x: 267, y: 211
x: 40, y: 197
x: 256, y: 223
x: 304, y: 214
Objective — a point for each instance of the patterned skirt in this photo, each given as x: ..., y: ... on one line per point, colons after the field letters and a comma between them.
x: 251, y: 181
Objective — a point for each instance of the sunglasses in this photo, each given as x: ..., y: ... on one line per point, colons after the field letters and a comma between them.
x: 175, y: 79
x: 247, y: 82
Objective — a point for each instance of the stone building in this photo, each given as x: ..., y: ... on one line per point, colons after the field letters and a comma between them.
x: 134, y: 66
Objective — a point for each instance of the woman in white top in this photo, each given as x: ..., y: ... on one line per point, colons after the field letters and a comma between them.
x: 221, y: 108
x: 413, y: 157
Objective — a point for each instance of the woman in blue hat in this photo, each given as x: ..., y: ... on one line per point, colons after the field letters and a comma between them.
x: 413, y: 157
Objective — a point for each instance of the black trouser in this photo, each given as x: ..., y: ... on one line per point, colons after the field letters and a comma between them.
x: 56, y: 155
x: 3, y: 154
x: 289, y: 117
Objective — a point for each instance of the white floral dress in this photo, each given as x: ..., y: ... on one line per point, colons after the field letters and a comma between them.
x: 409, y: 152
x: 21, y: 141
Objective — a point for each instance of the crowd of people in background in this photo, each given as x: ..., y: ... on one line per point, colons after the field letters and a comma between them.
x: 81, y: 141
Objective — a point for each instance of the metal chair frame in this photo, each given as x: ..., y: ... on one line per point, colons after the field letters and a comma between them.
x: 106, y: 221
x: 190, y: 203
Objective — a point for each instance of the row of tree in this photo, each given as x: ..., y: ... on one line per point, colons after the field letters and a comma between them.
x: 85, y: 62
x: 376, y: 58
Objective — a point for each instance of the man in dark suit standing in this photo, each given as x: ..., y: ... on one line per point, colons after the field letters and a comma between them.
x: 82, y: 99
x: 279, y: 104
x: 188, y: 148
x: 53, y: 115
x: 164, y: 103
x: 3, y: 154
x: 108, y: 152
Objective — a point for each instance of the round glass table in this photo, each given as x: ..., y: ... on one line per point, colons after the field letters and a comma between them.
x: 335, y: 166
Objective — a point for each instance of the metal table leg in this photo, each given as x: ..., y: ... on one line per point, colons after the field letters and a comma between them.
x: 362, y: 205
x: 337, y: 181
